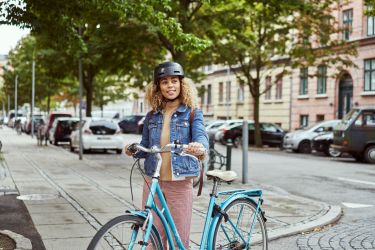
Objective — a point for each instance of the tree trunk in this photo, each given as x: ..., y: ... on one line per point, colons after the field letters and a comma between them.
x: 48, y: 97
x: 88, y: 79
x: 257, y: 134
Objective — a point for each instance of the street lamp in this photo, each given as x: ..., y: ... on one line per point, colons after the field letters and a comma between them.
x: 15, y: 99
x: 32, y: 98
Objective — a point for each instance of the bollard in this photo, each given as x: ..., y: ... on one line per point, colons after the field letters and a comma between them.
x: 211, y: 142
x: 229, y: 154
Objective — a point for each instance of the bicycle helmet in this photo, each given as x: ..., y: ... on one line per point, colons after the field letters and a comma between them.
x: 167, y: 69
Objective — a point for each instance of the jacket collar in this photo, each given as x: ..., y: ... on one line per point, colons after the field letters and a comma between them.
x: 182, y: 108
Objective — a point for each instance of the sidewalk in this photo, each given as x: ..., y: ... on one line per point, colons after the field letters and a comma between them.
x: 69, y: 199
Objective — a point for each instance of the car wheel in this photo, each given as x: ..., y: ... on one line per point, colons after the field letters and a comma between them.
x: 55, y: 142
x: 369, y: 155
x: 304, y: 147
x: 334, y: 153
x: 71, y: 146
x: 118, y: 151
x: 237, y: 142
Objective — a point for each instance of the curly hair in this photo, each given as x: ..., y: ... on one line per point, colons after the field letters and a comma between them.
x: 188, y: 95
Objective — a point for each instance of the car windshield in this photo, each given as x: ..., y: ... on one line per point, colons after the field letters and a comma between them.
x: 103, y: 127
x: 349, y: 117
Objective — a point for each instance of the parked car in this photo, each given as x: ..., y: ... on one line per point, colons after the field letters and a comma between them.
x: 130, y: 124
x: 271, y: 134
x: 36, y: 120
x: 97, y: 134
x: 213, y: 126
x: 300, y: 140
x: 50, y: 119
x: 215, y: 132
x: 322, y: 143
x: 356, y: 134
x: 61, y: 129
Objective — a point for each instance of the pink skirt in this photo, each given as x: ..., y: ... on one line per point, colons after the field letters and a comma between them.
x: 179, y: 197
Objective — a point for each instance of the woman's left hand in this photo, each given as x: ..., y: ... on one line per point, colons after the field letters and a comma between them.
x: 195, y: 148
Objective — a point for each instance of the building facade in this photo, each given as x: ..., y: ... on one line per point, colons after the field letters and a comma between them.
x: 298, y: 100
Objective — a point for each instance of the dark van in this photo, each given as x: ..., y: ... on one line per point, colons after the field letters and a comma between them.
x: 356, y: 134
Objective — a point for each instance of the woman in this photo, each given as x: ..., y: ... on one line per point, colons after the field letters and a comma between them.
x: 172, y: 99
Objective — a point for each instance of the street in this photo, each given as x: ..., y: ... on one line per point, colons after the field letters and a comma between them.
x: 68, y: 199
x: 336, y: 181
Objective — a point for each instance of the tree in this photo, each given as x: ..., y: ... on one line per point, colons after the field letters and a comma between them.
x: 116, y: 37
x: 252, y: 37
x: 370, y: 11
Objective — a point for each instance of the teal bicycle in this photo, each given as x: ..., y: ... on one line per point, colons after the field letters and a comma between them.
x: 237, y: 222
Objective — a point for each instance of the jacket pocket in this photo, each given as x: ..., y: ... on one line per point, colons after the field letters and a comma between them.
x: 183, y: 131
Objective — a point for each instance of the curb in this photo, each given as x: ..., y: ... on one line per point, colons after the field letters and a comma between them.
x: 22, y: 243
x: 333, y: 214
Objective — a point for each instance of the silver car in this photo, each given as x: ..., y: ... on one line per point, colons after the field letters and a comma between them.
x: 300, y: 140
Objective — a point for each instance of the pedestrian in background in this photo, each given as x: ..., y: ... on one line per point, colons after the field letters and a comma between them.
x: 173, y: 99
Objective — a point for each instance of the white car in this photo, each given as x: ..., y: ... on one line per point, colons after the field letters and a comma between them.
x: 218, y: 134
x: 98, y: 134
x: 300, y: 140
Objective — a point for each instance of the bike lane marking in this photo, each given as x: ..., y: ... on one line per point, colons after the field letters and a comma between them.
x: 356, y: 181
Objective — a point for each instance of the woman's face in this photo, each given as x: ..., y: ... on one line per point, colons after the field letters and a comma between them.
x: 170, y: 87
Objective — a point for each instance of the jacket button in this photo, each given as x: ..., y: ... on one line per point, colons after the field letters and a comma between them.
x: 175, y: 115
x: 177, y: 174
x: 174, y: 158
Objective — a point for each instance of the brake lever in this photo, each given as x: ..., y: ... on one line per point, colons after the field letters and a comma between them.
x: 185, y: 154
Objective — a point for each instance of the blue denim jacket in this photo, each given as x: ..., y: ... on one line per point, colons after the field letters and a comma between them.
x: 180, y: 131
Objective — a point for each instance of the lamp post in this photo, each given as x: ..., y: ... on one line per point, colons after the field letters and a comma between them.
x: 32, y: 98
x: 15, y: 99
x: 80, y: 76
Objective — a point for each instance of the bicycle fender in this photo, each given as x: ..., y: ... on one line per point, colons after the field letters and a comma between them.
x: 223, y: 205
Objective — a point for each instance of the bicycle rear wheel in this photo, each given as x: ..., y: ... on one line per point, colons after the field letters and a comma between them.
x: 124, y: 232
x: 241, y: 213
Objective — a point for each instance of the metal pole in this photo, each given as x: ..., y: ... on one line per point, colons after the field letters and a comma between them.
x: 15, y: 100
x: 245, y: 151
x: 8, y: 105
x: 80, y: 100
x: 229, y: 154
x: 32, y: 99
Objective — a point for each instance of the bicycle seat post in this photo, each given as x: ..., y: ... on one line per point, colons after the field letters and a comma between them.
x: 214, y: 188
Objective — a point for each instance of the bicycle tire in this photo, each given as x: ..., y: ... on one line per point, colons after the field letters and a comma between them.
x: 117, y: 233
x: 240, y: 212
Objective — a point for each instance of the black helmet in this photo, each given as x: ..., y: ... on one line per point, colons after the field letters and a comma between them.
x: 167, y: 69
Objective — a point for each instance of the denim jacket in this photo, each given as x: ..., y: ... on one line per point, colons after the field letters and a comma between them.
x: 179, y: 131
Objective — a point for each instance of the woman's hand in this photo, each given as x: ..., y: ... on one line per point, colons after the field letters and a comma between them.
x: 195, y: 148
x: 126, y: 150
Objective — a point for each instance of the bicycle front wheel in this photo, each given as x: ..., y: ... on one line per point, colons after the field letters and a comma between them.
x: 241, y: 214
x: 124, y: 232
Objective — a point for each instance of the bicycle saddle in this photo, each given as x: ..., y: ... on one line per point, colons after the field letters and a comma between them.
x: 222, y: 175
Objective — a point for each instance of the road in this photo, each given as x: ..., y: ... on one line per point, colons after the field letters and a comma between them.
x: 337, y: 181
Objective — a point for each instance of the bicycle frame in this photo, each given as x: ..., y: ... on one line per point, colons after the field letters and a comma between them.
x: 210, y: 221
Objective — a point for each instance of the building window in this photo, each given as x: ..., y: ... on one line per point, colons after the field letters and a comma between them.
x: 241, y: 93
x: 221, y: 92
x: 303, y: 121
x: 347, y: 21
x: 228, y: 91
x: 279, y: 89
x: 268, y: 88
x: 325, y: 28
x: 202, y: 98
x: 369, y: 75
x: 319, y: 118
x: 322, y: 79
x: 209, y: 97
x: 303, y: 85
x: 370, y: 23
